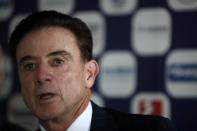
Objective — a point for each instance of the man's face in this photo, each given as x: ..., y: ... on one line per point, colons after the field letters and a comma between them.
x: 52, y: 74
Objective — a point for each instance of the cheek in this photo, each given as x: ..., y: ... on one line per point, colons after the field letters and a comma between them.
x: 27, y: 90
x: 65, y: 74
x: 26, y: 84
x: 71, y: 82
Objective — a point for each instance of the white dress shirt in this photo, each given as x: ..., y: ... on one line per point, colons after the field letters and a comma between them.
x: 83, y: 121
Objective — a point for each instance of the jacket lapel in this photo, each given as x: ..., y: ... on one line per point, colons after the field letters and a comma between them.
x: 102, y: 120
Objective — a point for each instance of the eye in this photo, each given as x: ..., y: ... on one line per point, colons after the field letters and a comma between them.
x: 57, y: 62
x: 29, y: 66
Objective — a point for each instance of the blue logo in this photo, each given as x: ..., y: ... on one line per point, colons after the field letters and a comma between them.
x: 182, y: 72
x: 119, y: 3
x: 118, y: 71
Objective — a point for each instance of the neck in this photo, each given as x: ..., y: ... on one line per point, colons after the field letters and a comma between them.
x: 63, y: 124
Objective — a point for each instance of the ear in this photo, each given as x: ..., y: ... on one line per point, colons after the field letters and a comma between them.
x: 91, y: 71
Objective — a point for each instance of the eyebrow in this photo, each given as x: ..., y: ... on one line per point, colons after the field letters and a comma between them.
x: 60, y: 52
x: 55, y: 53
x: 25, y: 58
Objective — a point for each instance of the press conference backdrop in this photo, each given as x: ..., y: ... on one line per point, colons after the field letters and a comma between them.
x: 147, y: 51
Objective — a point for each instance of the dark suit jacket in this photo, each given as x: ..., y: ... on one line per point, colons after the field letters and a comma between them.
x: 5, y: 125
x: 104, y: 119
x: 112, y: 120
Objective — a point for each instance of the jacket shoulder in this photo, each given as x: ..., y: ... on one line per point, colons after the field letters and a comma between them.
x: 140, y: 122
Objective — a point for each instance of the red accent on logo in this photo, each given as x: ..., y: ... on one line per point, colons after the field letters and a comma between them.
x: 154, y: 107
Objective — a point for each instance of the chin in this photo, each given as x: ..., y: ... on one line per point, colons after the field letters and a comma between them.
x: 45, y: 114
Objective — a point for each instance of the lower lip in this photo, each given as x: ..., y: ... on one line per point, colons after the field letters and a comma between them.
x: 47, y: 99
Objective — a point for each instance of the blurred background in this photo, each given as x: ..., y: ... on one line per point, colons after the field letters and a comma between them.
x: 147, y: 51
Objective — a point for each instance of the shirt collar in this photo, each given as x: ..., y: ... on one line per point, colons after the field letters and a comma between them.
x: 82, y: 122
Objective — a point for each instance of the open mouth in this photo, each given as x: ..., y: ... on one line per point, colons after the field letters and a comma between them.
x: 46, y: 96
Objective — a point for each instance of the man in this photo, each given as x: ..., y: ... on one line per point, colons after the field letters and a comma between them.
x: 56, y: 71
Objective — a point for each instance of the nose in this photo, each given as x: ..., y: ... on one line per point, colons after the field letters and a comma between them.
x: 43, y: 73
